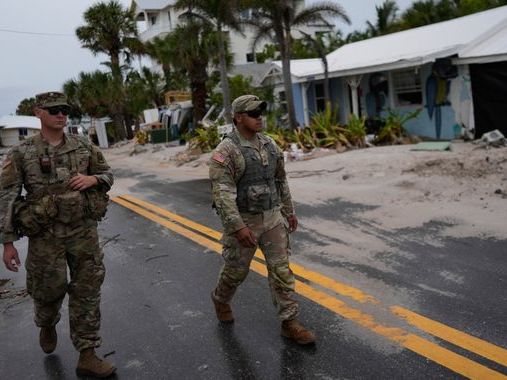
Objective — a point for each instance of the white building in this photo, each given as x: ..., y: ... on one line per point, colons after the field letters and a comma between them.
x: 14, y: 129
x: 157, y: 18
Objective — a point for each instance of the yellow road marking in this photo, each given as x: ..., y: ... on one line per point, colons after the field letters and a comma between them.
x: 461, y: 339
x: 445, y: 357
x: 199, y: 239
x: 326, y: 282
x: 421, y: 346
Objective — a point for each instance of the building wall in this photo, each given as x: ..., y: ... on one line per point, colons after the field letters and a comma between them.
x: 454, y: 113
x: 10, y: 137
x: 240, y: 44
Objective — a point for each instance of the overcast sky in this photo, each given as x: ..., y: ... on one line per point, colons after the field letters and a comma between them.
x: 31, y: 63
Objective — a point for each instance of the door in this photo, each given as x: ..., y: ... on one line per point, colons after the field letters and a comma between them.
x: 489, y: 92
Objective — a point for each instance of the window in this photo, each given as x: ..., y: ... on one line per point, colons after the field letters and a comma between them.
x: 23, y: 131
x: 407, y: 88
x: 153, y: 20
x: 250, y: 57
x: 320, y: 99
x: 170, y: 21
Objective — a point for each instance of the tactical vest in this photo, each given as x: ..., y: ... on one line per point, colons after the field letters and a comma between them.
x: 257, y: 188
x: 48, y: 199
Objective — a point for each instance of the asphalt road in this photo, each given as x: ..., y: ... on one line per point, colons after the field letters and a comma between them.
x: 159, y: 323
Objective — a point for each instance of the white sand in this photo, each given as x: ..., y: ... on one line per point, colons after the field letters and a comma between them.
x: 407, y: 188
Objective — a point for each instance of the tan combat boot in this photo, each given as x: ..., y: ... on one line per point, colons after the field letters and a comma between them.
x: 90, y: 365
x: 292, y: 329
x: 223, y: 310
x: 48, y: 339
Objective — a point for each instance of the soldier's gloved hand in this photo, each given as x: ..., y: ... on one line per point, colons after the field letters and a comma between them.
x: 293, y: 222
x: 82, y: 182
x: 11, y: 257
x: 246, y: 237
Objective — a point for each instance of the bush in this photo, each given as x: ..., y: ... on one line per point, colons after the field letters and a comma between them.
x: 205, y: 139
x: 393, y: 131
x: 355, y: 131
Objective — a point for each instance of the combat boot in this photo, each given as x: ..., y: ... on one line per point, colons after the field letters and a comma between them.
x: 223, y: 310
x: 292, y: 329
x: 48, y: 339
x: 90, y: 365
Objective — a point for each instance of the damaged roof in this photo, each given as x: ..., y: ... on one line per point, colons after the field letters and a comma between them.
x: 479, y: 34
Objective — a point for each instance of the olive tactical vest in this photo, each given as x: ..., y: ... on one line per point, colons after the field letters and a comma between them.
x: 257, y: 189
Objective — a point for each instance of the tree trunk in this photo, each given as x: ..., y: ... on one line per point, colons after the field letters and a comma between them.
x: 128, y: 127
x: 199, y: 100
x: 119, y: 115
x: 285, y: 50
x: 224, y: 80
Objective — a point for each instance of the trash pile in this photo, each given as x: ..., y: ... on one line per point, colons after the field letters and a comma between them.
x: 493, y: 139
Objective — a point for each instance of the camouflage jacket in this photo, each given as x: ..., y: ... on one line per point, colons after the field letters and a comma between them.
x: 226, y: 167
x: 21, y: 168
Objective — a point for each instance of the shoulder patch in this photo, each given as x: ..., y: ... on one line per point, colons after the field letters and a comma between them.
x: 218, y: 157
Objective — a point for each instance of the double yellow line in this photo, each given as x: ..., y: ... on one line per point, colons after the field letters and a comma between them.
x: 319, y: 292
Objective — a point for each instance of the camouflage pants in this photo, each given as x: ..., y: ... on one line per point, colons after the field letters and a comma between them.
x: 46, y: 267
x: 274, y: 244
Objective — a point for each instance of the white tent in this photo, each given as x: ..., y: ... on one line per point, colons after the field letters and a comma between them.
x: 479, y: 36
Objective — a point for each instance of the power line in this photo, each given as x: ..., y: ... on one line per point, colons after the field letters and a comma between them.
x: 35, y: 33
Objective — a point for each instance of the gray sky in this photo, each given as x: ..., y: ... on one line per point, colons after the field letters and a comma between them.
x: 33, y: 63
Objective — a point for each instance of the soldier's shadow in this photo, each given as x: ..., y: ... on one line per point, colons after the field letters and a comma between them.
x: 235, y: 355
x: 293, y: 360
x: 53, y: 368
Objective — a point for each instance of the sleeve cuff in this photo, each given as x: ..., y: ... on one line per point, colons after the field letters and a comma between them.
x: 234, y: 227
x: 8, y: 238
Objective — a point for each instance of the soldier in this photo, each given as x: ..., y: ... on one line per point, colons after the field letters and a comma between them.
x: 66, y: 181
x: 252, y: 198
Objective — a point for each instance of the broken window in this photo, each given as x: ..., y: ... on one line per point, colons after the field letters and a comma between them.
x: 407, y: 88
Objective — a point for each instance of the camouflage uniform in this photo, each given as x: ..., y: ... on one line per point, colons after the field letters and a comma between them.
x: 227, y: 168
x: 64, y: 229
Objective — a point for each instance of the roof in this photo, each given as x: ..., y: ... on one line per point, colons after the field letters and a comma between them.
x: 258, y: 72
x: 415, y: 47
x: 493, y: 48
x: 151, y: 4
x: 12, y: 122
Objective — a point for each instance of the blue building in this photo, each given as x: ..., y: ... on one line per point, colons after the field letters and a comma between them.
x: 455, y: 71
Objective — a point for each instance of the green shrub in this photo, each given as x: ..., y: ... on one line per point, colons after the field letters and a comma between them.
x: 393, y: 131
x: 205, y: 139
x: 355, y: 131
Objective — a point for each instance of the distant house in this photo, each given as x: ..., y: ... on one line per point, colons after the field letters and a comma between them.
x: 14, y: 129
x: 157, y: 18
x: 455, y: 71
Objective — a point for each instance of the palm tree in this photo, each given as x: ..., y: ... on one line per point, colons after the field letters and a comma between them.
x: 386, y: 19
x: 197, y: 44
x: 162, y: 50
x: 90, y: 93
x: 425, y: 12
x: 219, y: 14
x: 319, y: 47
x: 111, y: 29
x: 26, y: 107
x: 275, y: 20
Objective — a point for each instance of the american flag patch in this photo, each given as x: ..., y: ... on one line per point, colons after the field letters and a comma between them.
x: 218, y: 157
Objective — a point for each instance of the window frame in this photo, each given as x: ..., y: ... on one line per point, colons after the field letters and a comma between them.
x: 410, y: 89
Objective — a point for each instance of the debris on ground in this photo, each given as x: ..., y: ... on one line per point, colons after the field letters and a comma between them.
x: 492, y: 139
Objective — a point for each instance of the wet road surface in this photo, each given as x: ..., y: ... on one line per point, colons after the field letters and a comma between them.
x: 159, y: 323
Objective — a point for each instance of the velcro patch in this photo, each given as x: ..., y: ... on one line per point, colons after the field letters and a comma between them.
x: 218, y: 157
